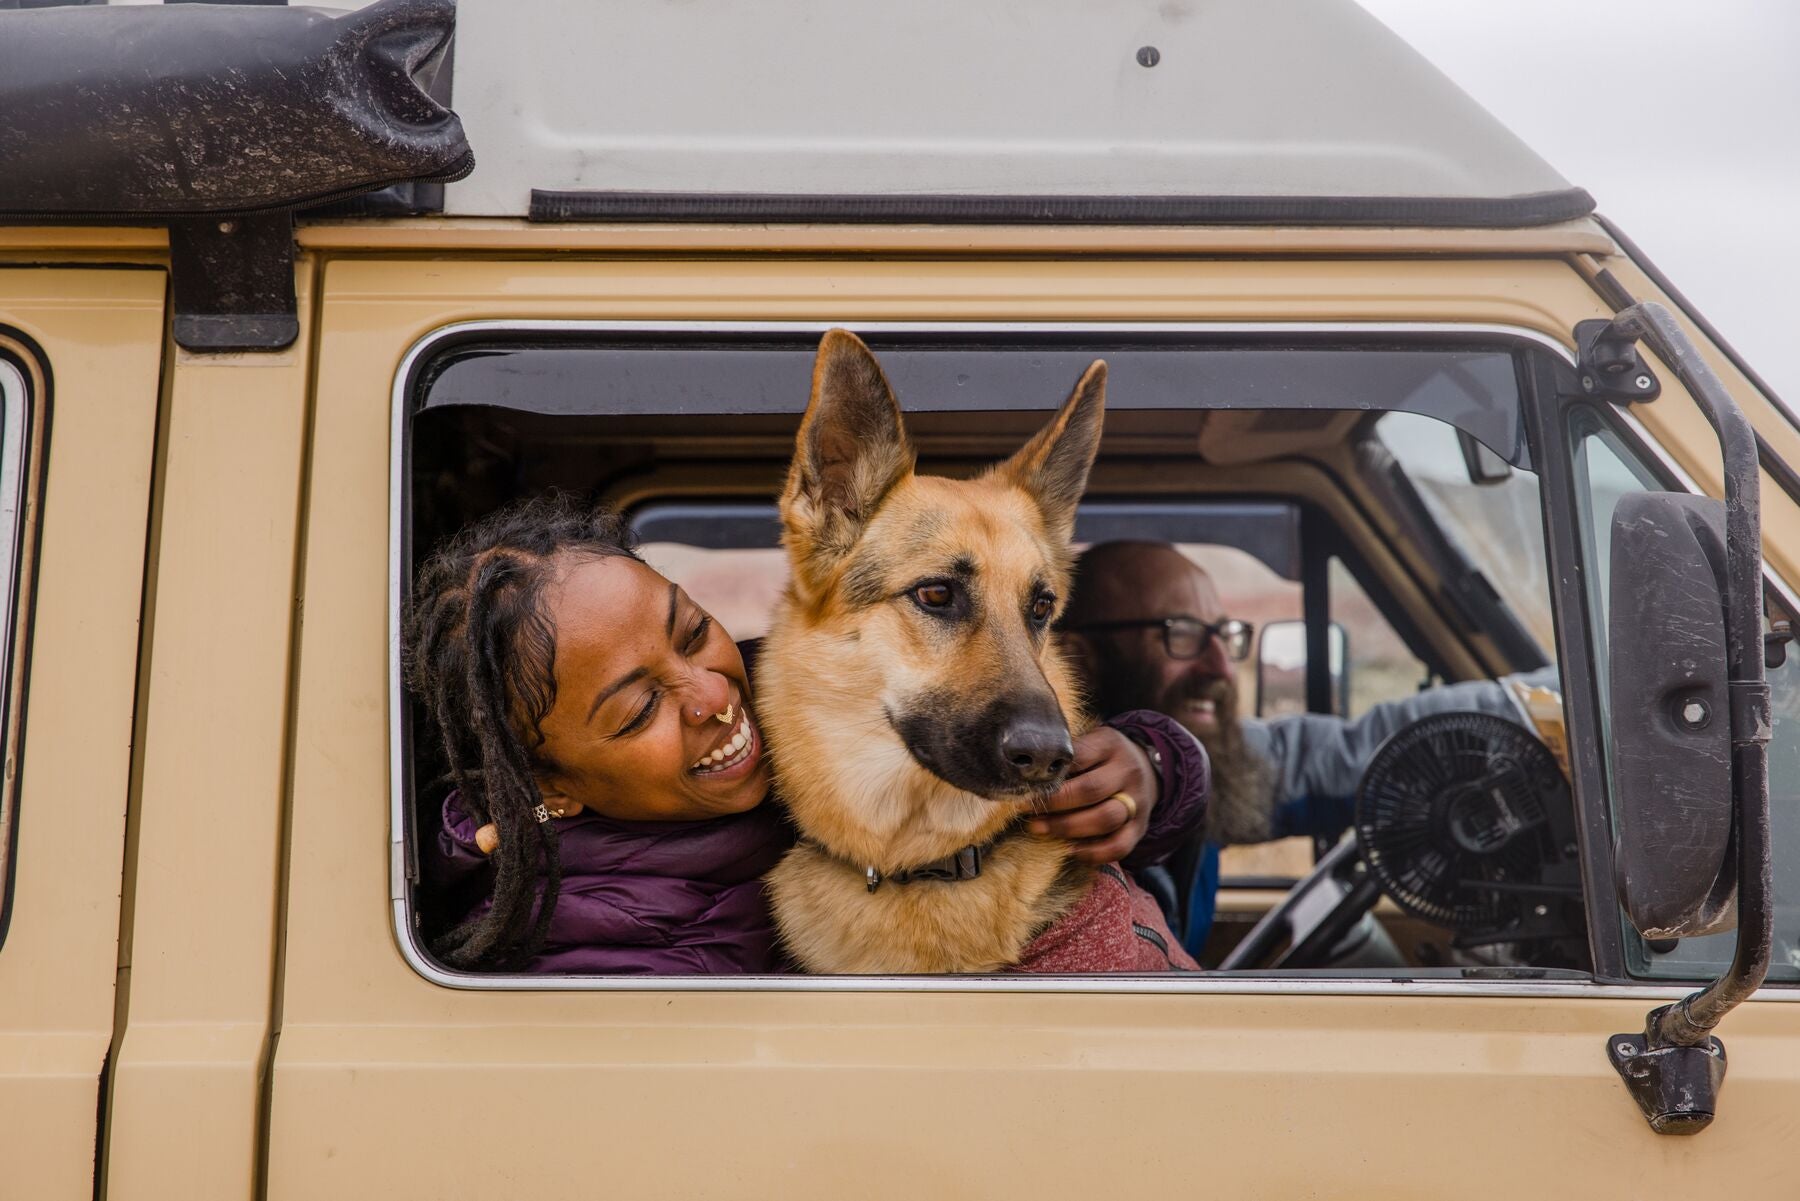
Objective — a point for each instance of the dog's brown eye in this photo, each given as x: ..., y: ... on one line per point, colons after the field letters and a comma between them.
x: 1042, y: 607
x: 934, y: 596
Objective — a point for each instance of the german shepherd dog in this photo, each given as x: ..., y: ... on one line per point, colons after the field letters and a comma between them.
x: 913, y: 696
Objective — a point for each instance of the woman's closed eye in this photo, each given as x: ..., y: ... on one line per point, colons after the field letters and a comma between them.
x: 645, y: 711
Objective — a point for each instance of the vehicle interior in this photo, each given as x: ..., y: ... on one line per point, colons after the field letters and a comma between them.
x: 1378, y: 549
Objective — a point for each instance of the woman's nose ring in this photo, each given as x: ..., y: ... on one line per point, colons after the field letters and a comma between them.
x: 724, y: 717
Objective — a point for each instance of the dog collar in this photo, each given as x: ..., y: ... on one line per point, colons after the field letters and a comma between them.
x: 962, y: 864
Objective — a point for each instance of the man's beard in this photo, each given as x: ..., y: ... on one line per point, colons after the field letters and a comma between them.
x: 1239, y: 809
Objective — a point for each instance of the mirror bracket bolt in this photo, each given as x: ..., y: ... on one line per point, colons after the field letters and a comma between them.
x: 1695, y: 713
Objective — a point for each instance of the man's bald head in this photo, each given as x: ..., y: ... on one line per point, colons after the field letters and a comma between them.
x: 1128, y: 580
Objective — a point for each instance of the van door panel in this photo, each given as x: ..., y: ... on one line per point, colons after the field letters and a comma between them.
x: 385, y: 1082
x: 188, y: 1070
x: 99, y: 332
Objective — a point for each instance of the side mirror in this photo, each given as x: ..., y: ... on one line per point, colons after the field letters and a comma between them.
x: 1484, y: 464
x: 1675, y: 866
x: 1281, y: 668
x: 1688, y: 688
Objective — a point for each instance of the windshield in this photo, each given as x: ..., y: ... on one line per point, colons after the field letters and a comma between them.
x: 1496, y: 524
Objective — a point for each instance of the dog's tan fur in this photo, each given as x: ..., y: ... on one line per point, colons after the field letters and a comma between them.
x: 847, y: 648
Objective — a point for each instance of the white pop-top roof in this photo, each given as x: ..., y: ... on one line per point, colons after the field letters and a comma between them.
x: 1011, y: 98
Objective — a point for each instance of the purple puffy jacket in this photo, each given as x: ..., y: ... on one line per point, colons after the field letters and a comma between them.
x: 674, y: 898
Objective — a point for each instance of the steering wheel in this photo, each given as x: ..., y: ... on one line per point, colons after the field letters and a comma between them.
x: 1316, y: 917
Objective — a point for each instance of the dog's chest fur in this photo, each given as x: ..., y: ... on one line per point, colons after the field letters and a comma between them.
x: 832, y: 923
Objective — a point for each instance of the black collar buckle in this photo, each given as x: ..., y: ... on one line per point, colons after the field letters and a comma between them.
x: 963, y: 864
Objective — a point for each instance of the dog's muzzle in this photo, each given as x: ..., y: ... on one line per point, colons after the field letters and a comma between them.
x: 1004, y: 751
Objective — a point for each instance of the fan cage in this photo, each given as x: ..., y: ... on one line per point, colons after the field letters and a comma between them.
x: 1408, y: 802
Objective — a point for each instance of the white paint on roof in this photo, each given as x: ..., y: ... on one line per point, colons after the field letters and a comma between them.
x: 1011, y: 97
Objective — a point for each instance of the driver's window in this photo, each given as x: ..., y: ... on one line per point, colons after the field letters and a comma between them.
x: 1606, y: 470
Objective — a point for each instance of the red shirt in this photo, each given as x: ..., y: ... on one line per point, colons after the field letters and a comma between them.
x: 1116, y: 927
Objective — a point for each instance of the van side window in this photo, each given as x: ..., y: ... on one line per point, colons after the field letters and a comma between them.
x: 1304, y: 478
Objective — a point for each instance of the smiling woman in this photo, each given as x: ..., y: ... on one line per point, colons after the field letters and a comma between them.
x: 601, y: 800
x: 577, y: 696
x: 632, y: 700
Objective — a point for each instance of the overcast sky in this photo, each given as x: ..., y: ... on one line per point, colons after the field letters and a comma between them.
x: 1682, y: 117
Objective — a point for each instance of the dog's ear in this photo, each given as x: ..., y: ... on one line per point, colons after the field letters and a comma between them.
x: 1054, y: 465
x: 850, y: 453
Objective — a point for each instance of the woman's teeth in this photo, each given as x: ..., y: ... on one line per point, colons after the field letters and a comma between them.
x: 732, y: 753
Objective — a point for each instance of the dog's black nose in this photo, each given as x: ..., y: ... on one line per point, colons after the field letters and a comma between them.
x: 1036, y: 748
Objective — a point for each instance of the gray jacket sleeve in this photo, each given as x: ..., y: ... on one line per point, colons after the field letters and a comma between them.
x: 1315, y: 761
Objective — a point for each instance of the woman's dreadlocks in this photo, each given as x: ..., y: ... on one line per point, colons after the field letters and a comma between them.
x: 479, y: 655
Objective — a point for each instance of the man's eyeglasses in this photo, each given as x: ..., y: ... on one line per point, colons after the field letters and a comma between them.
x: 1187, y: 637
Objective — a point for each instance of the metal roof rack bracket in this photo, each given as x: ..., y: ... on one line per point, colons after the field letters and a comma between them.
x: 232, y: 282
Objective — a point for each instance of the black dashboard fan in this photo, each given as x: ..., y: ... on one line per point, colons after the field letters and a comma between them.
x: 1465, y: 820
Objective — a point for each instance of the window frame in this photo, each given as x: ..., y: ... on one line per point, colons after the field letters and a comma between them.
x: 23, y: 411
x: 1541, y: 436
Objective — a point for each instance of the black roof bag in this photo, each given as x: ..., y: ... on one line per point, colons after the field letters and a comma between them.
x: 172, y: 109
x: 188, y: 113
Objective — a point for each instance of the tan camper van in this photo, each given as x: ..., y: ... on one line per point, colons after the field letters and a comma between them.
x: 269, y: 331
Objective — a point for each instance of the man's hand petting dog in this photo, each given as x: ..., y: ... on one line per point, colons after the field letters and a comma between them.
x: 1086, y: 810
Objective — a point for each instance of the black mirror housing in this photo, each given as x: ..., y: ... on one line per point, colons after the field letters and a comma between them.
x: 1675, y: 859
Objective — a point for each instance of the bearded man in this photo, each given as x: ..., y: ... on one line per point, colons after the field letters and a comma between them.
x: 1146, y: 629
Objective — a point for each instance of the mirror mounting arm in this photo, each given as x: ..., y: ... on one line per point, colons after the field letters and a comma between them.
x: 1674, y: 1068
